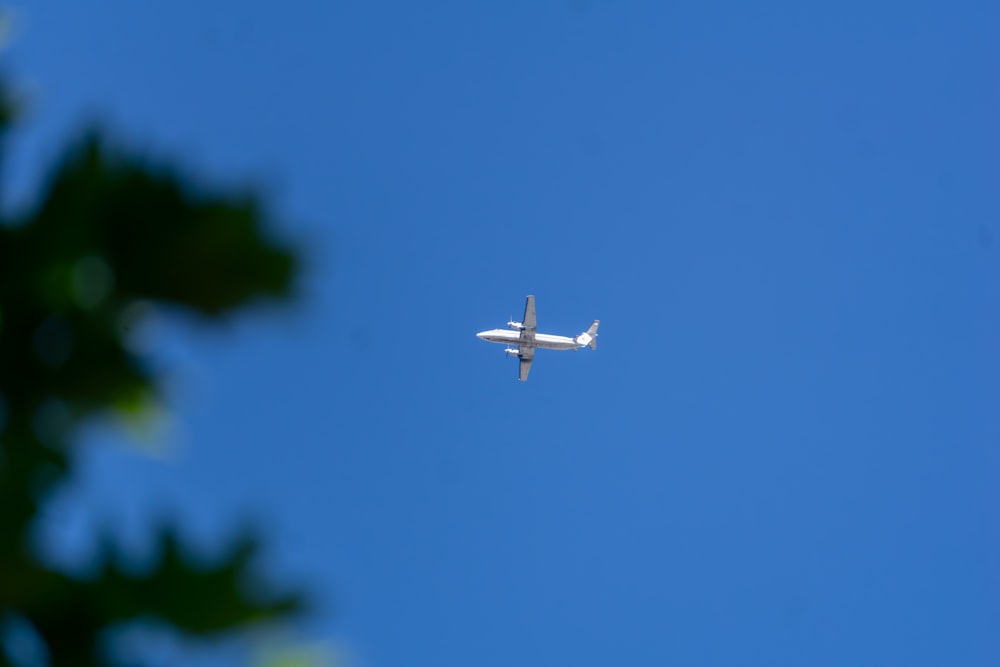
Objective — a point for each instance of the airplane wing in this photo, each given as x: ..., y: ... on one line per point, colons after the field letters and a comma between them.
x: 526, y: 357
x: 527, y: 348
x: 528, y: 325
x: 529, y: 315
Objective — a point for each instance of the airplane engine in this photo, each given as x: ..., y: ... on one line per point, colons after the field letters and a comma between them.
x: 512, y: 350
x: 515, y: 325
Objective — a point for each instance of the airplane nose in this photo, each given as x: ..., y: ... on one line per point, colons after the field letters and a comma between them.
x: 481, y: 334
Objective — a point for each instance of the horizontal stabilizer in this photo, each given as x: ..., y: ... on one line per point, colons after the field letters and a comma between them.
x: 589, y: 337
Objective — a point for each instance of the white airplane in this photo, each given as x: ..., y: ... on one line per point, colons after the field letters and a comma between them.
x: 526, y: 340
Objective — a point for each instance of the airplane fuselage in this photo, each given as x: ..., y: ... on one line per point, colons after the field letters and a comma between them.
x: 545, y: 341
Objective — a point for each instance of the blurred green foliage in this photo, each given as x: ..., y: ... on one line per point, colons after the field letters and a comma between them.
x: 113, y: 235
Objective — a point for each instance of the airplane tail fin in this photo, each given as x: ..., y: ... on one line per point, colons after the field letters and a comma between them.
x: 589, y: 337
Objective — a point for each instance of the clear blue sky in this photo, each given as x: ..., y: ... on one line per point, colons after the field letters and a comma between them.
x: 786, y: 450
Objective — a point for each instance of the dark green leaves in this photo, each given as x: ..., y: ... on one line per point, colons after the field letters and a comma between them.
x: 114, y: 236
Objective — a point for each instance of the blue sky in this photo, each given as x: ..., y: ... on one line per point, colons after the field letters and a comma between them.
x: 785, y: 450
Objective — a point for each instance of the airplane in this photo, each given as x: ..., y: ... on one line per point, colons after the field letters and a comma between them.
x: 527, y: 340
